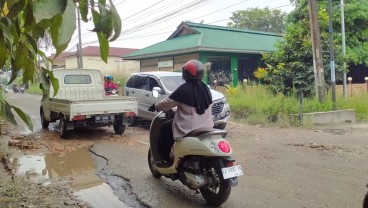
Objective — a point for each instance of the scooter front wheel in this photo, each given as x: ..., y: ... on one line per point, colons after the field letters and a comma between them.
x: 219, y: 190
x: 151, y: 165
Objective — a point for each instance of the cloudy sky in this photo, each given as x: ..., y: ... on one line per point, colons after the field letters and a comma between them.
x: 146, y: 22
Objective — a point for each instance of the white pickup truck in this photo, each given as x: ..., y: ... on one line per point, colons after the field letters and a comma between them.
x: 81, y: 102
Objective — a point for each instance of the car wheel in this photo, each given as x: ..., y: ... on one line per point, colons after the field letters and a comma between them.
x: 131, y: 121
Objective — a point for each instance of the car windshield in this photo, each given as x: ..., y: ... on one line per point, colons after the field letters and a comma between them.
x: 172, y: 82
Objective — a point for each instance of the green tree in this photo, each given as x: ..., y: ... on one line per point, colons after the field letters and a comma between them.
x: 24, y: 22
x: 267, y: 20
x: 356, y: 15
x: 291, y: 65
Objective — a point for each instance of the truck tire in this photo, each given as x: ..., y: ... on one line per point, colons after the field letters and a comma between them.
x: 44, y: 122
x: 132, y: 121
x: 119, y: 128
x: 64, y: 133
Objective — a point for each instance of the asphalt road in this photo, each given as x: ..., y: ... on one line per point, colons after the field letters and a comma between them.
x: 325, y: 166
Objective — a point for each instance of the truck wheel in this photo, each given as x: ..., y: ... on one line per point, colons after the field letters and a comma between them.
x: 64, y: 133
x: 132, y: 121
x: 45, y: 124
x: 119, y: 128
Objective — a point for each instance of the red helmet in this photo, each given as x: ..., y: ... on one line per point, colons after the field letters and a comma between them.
x: 193, y: 69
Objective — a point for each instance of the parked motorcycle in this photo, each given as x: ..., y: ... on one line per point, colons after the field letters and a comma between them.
x: 15, y: 88
x: 21, y: 90
x: 201, y: 160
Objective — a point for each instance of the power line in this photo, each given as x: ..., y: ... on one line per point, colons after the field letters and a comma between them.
x: 166, y: 16
x: 220, y: 9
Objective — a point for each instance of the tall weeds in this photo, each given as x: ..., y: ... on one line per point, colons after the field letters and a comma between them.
x: 255, y: 105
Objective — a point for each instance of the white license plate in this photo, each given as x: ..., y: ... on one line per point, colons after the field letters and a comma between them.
x: 232, y: 171
x: 104, y: 118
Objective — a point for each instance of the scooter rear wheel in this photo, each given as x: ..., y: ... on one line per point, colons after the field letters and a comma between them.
x: 219, y: 191
x: 151, y: 165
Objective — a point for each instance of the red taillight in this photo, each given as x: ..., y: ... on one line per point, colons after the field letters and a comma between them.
x: 229, y: 164
x: 78, y: 117
x: 130, y: 114
x: 224, y: 146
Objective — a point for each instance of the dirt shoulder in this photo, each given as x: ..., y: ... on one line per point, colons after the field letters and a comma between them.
x: 19, y: 190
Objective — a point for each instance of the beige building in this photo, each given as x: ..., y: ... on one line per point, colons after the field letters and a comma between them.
x: 92, y: 60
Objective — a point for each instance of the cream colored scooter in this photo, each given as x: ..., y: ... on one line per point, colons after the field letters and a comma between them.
x: 201, y: 161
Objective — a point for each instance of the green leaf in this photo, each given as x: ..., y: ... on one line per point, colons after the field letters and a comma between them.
x: 4, y: 55
x: 83, y: 8
x: 46, y: 9
x: 104, y: 46
x: 29, y: 69
x: 20, y: 56
x: 15, y: 7
x: 25, y: 118
x: 49, y: 77
x: 96, y: 20
x: 28, y: 18
x: 6, y: 32
x: 63, y: 28
x: 7, y: 113
x: 105, y: 22
x: 102, y: 2
x: 116, y: 22
x: 32, y: 42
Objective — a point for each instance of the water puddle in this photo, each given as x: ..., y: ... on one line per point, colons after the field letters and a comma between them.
x: 43, y: 168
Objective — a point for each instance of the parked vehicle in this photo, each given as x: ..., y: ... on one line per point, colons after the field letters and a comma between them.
x: 80, y: 102
x: 201, y: 161
x: 15, y: 88
x: 141, y: 84
x: 21, y: 90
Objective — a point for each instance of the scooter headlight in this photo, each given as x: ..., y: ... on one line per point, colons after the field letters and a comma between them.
x: 224, y: 146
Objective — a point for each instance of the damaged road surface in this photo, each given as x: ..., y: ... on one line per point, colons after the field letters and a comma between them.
x: 324, y: 166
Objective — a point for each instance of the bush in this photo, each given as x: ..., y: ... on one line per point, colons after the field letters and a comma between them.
x: 254, y: 104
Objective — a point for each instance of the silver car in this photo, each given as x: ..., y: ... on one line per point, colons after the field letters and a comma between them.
x: 141, y: 84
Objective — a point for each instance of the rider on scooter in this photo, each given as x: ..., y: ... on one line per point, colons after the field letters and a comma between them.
x: 109, y: 85
x: 193, y: 100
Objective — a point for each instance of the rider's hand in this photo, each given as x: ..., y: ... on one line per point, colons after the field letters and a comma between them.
x: 152, y: 108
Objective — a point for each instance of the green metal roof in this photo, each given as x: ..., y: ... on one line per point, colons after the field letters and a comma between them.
x: 203, y: 37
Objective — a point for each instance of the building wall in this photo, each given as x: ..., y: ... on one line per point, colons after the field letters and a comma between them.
x: 176, y: 62
x: 114, y: 65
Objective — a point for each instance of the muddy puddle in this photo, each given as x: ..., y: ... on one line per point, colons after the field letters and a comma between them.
x: 77, y: 165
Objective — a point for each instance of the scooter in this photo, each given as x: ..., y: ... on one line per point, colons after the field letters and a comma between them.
x: 112, y: 92
x: 201, y: 161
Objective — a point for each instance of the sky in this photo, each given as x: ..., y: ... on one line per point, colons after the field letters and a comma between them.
x: 147, y: 22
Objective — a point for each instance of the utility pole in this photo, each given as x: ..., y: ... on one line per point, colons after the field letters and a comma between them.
x: 332, y: 56
x: 343, y: 49
x: 317, y: 52
x: 79, y: 45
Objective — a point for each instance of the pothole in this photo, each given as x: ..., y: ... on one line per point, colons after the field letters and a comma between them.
x: 78, y: 166
x: 118, y: 183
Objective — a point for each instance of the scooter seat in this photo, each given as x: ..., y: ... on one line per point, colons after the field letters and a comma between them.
x: 196, y: 133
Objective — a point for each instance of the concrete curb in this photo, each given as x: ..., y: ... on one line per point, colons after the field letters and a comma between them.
x: 328, y: 117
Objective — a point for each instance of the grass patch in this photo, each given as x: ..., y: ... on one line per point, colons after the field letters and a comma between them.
x: 255, y: 105
x: 35, y: 89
